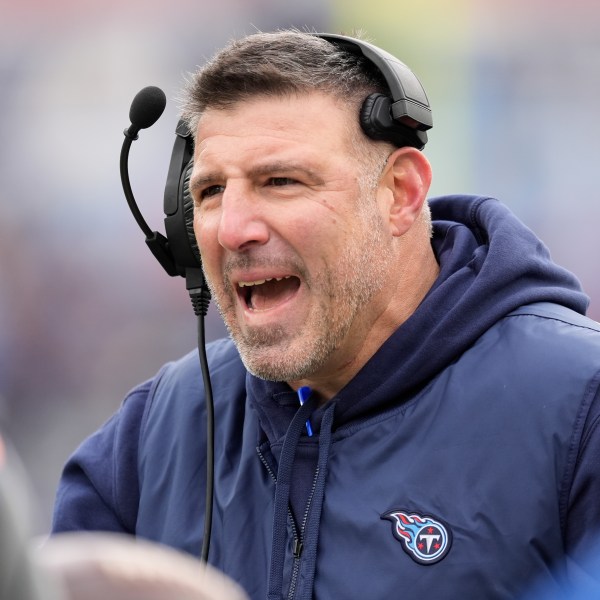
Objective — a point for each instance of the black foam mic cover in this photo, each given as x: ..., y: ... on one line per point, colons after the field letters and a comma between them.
x: 147, y: 107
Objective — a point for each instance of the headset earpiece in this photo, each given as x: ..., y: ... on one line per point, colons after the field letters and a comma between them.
x: 188, y: 210
x: 403, y: 116
x: 377, y: 123
x: 179, y: 205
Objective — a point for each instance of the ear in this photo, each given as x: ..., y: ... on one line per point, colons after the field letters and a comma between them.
x: 407, y: 177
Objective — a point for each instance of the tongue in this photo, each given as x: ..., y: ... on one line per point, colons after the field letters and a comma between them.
x: 272, y: 293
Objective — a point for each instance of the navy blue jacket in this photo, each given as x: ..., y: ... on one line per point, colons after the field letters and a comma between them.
x: 461, y: 462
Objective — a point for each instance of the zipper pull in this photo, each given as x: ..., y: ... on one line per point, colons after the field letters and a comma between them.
x: 297, y: 548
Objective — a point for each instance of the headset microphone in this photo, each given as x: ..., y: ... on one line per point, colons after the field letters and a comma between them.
x: 146, y: 108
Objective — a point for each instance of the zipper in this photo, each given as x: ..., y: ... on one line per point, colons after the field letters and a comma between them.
x: 263, y: 460
x: 298, y: 540
x: 297, y: 544
x: 298, y: 535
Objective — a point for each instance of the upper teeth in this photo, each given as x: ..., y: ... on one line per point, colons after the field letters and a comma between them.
x: 261, y: 281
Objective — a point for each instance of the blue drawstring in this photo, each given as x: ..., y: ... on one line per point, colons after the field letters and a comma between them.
x: 303, y: 394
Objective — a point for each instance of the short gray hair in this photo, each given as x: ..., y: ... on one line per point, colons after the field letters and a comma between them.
x: 282, y: 63
x: 289, y: 62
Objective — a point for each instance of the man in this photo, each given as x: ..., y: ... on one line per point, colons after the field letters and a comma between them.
x: 449, y: 445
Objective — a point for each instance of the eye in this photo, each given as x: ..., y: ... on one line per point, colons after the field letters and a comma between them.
x: 281, y: 181
x: 212, y: 190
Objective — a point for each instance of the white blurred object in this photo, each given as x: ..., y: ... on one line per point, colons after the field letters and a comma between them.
x: 108, y: 566
x: 17, y: 580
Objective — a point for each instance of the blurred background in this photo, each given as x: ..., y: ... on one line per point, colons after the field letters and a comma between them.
x: 86, y: 312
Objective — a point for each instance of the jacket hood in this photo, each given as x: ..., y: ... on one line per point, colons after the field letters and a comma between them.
x: 490, y: 264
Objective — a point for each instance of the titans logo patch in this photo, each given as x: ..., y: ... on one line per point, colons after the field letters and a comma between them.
x: 425, y: 539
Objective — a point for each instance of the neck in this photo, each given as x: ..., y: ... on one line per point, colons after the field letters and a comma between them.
x: 386, y: 314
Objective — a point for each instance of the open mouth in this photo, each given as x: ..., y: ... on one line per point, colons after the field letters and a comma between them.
x: 265, y: 294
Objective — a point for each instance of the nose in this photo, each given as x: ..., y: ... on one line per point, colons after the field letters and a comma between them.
x: 241, y: 223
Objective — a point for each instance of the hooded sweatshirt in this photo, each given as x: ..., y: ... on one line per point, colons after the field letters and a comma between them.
x: 461, y: 460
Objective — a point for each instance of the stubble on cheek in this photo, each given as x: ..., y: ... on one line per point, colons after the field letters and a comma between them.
x: 336, y: 296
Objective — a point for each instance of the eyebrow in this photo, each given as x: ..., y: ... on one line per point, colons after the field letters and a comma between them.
x: 260, y: 170
x: 201, y: 182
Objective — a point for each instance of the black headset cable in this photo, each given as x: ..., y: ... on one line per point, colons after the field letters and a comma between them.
x: 146, y: 109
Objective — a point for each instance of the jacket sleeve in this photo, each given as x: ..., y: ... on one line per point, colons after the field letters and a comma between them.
x: 99, y: 488
x: 583, y: 519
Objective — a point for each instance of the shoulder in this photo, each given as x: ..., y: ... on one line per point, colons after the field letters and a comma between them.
x: 541, y: 361
x: 555, y: 332
x: 177, y: 393
x: 558, y: 314
x: 222, y: 356
x: 184, y: 376
x: 545, y: 351
x: 551, y: 328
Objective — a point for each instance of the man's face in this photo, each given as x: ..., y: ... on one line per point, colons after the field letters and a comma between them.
x: 295, y: 253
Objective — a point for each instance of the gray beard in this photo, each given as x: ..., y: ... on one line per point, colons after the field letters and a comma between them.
x: 279, y: 355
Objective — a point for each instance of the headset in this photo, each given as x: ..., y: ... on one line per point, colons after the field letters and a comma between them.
x: 402, y: 117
